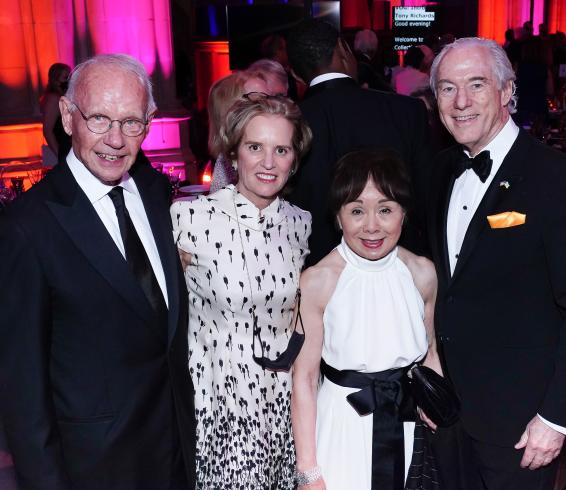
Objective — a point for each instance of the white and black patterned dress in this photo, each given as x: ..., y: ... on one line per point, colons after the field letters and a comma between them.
x: 244, y: 438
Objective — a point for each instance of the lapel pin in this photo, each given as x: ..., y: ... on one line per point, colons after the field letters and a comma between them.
x: 505, y: 184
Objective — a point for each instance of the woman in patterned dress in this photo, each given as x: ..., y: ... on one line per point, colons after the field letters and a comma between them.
x: 243, y: 248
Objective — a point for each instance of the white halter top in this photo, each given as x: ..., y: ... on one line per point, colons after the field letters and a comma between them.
x: 374, y: 319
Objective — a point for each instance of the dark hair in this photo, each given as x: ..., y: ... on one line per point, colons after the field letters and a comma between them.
x: 532, y: 51
x: 271, y: 45
x: 414, y: 57
x: 310, y: 47
x: 53, y: 74
x: 384, y: 167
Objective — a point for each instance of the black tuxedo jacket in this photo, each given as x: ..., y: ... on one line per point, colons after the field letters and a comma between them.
x: 344, y: 117
x: 500, y: 316
x: 94, y: 392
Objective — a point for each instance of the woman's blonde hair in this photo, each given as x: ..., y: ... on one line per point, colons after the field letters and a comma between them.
x: 222, y: 95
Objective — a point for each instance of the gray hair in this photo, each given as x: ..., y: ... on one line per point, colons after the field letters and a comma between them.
x: 500, y: 65
x: 116, y: 61
x: 365, y: 42
x: 266, y: 68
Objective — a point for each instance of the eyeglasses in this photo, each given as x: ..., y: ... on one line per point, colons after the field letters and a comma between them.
x: 256, y: 96
x: 100, y: 124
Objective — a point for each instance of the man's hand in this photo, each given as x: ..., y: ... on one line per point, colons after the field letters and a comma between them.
x: 542, y: 444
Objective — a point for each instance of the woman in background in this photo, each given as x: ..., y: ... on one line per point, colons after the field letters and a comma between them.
x: 243, y: 248
x: 57, y: 140
x: 273, y: 73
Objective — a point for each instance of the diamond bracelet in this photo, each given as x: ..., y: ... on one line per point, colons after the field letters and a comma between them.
x: 308, y: 477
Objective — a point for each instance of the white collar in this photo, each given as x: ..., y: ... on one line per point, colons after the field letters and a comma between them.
x: 91, y: 186
x: 327, y: 76
x: 234, y: 204
x: 365, y: 264
x: 499, y: 146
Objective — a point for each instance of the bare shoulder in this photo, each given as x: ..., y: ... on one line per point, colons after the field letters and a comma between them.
x: 318, y: 282
x: 422, y: 270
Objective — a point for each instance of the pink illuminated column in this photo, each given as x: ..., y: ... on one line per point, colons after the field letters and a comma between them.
x: 140, y: 28
x: 36, y: 33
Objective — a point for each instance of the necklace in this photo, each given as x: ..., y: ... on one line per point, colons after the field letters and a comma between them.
x: 285, y: 360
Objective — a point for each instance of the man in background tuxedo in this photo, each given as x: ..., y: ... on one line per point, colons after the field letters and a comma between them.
x: 498, y: 236
x: 344, y: 117
x: 95, y: 392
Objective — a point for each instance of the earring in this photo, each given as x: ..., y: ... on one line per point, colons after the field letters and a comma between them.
x: 234, y: 164
x: 292, y: 172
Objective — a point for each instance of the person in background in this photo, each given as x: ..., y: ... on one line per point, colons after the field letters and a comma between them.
x: 243, y: 248
x: 441, y: 139
x: 344, y: 117
x: 410, y: 78
x: 57, y: 140
x: 534, y: 85
x: 274, y: 47
x: 498, y: 234
x: 273, y: 73
x: 527, y: 30
x: 95, y: 392
x: 222, y: 95
x: 428, y: 54
x: 512, y: 47
x: 365, y: 49
x: 368, y: 310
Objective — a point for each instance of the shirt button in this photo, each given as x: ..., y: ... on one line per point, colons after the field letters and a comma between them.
x: 457, y: 255
x: 464, y: 208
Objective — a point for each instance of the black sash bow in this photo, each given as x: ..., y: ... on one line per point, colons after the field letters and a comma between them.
x: 383, y: 394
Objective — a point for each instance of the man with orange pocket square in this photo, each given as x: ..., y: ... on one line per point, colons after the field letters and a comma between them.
x: 497, y: 222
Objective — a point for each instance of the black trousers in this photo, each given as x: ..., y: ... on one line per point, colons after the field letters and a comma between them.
x: 465, y: 463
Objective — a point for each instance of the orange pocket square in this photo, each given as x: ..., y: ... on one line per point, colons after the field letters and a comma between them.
x: 506, y: 220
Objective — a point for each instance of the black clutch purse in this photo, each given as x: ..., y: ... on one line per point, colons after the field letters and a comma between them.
x: 435, y: 395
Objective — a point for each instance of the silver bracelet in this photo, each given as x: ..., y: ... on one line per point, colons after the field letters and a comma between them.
x: 309, y: 476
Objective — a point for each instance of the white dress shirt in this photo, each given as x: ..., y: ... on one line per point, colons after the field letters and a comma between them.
x: 467, y: 194
x: 97, y: 194
x: 327, y: 76
x: 469, y: 190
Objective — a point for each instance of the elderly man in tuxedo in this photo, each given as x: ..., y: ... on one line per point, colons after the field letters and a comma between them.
x: 498, y: 235
x: 95, y: 392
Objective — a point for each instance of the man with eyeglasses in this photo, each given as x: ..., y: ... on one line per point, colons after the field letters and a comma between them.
x: 95, y: 392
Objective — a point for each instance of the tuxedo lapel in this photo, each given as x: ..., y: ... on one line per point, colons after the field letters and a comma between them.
x: 496, y: 195
x: 159, y: 221
x: 444, y: 182
x: 78, y: 218
x: 442, y: 217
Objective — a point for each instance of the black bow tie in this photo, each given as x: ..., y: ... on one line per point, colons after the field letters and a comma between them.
x: 480, y: 164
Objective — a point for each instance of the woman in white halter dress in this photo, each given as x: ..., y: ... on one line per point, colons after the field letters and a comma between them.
x: 367, y: 310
